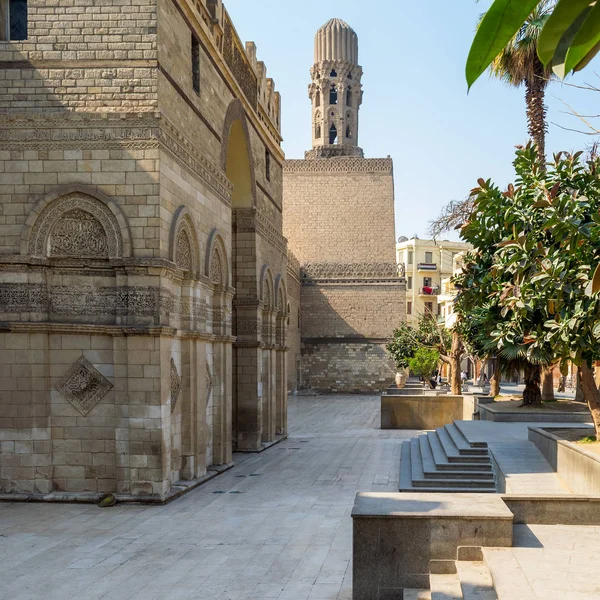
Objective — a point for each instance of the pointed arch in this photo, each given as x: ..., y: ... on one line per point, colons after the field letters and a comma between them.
x: 236, y: 156
x: 184, y: 249
x: 216, y: 260
x: 281, y: 294
x: 77, y: 201
x: 267, y: 286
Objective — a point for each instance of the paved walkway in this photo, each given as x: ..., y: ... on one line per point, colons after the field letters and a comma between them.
x: 277, y: 526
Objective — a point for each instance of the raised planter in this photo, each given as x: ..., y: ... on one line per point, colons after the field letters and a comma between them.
x: 419, y: 412
x: 577, y: 467
x: 495, y: 411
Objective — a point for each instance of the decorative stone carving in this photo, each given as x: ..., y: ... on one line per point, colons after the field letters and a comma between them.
x: 74, y: 206
x: 183, y: 251
x: 339, y: 165
x: 209, y: 383
x: 83, y: 386
x: 216, y: 268
x: 175, y: 385
x: 78, y: 234
x: 330, y: 270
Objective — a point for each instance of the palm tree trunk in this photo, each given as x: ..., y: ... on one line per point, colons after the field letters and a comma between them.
x: 532, y: 396
x: 495, y: 379
x: 548, y: 383
x: 535, y: 91
x: 455, y: 356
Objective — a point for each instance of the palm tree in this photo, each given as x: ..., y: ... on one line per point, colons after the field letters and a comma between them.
x: 519, y: 64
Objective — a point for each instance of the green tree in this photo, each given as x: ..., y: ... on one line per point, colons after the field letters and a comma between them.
x: 569, y: 39
x: 424, y: 363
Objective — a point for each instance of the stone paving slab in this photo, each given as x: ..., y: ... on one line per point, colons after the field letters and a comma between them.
x: 276, y: 526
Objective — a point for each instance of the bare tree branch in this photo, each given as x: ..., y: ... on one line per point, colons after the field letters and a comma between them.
x: 453, y: 216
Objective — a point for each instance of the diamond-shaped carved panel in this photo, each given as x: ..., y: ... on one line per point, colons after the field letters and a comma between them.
x: 175, y: 385
x: 83, y: 386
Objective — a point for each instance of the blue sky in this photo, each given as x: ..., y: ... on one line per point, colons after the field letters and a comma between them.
x: 416, y: 107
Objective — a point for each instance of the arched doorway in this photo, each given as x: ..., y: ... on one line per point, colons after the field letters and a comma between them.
x: 238, y: 164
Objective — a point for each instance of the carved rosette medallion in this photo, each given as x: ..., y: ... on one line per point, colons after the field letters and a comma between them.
x: 83, y: 386
x: 183, y: 251
x: 78, y: 233
x: 175, y: 385
x: 209, y: 383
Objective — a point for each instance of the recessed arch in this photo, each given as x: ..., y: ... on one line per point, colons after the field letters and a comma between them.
x: 281, y: 294
x: 267, y: 286
x: 236, y: 156
x: 183, y: 242
x: 216, y: 255
x: 72, y: 200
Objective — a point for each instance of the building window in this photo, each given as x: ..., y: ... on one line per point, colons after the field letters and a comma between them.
x: 13, y: 20
x: 348, y: 132
x: 410, y: 257
x: 427, y: 282
x: 333, y: 73
x: 332, y: 135
x: 428, y: 308
x: 429, y: 257
x: 439, y: 310
x: 348, y: 97
x: 333, y: 95
x: 318, y: 132
x: 267, y: 164
x: 196, y: 64
x: 409, y: 284
x: 409, y: 308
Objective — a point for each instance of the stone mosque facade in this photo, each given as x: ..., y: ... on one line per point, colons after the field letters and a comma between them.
x: 143, y: 268
x: 345, y: 288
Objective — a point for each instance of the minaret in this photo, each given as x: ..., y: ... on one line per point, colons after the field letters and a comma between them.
x: 335, y: 92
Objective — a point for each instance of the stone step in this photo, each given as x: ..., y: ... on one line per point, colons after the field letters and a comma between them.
x: 453, y: 453
x: 509, y: 580
x: 439, y: 462
x: 461, y: 442
x: 440, y: 486
x: 442, y: 460
x: 415, y: 594
x: 432, y: 470
x: 445, y: 587
x: 476, y: 581
x: 440, y: 478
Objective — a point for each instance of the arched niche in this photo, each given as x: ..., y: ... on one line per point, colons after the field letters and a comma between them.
x: 76, y: 222
x: 216, y: 265
x: 183, y: 242
x: 236, y: 156
x: 267, y: 287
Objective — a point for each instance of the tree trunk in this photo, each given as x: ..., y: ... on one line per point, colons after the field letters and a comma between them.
x: 591, y: 394
x: 548, y: 383
x: 535, y: 91
x: 532, y: 396
x: 455, y: 355
x: 482, y: 367
x: 495, y: 379
x: 579, y: 397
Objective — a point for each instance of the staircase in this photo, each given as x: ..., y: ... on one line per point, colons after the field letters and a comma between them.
x: 445, y: 461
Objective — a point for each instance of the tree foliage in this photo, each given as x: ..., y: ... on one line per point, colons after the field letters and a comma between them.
x: 424, y: 362
x: 569, y: 39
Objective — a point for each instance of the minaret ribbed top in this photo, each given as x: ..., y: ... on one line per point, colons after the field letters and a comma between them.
x: 336, y: 40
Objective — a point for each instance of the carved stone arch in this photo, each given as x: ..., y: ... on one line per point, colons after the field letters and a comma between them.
x: 216, y: 265
x: 183, y: 242
x: 281, y: 295
x: 267, y: 287
x: 76, y: 221
x: 235, y: 112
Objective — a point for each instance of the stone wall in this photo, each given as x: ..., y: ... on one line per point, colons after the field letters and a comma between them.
x: 120, y: 250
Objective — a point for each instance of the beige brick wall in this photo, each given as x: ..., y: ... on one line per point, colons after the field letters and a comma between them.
x: 340, y: 210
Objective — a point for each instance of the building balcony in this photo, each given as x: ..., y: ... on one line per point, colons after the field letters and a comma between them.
x: 427, y: 266
x: 429, y: 291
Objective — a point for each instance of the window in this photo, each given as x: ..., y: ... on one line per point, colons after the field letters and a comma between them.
x: 426, y: 281
x: 318, y: 99
x: 410, y: 257
x: 333, y: 73
x: 333, y: 95
x: 429, y: 308
x: 439, y: 309
x: 196, y: 64
x: 348, y: 132
x: 348, y: 97
x: 13, y: 21
x: 409, y: 308
x: 409, y: 284
x: 318, y: 132
x: 267, y: 164
x: 429, y: 257
x: 332, y: 135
